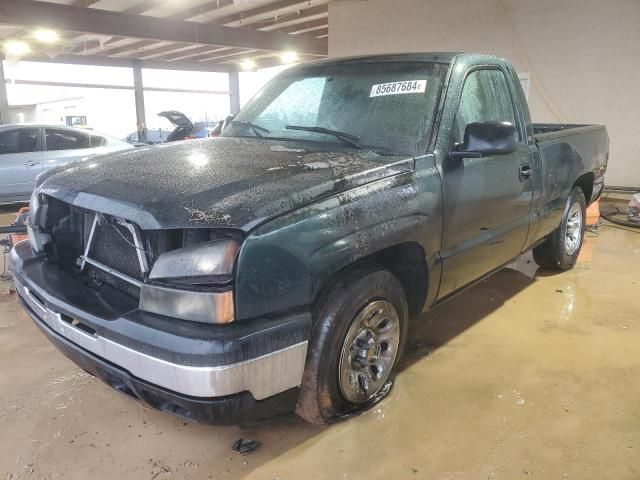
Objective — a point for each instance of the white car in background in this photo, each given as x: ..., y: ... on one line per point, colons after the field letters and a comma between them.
x: 27, y: 150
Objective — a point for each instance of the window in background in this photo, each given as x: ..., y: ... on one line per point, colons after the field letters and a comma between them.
x: 109, y: 111
x: 252, y: 82
x: 76, y: 120
x: 61, y: 139
x: 20, y: 140
x: 201, y: 96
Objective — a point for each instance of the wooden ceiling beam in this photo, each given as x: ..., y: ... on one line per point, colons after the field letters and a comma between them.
x: 246, y: 15
x: 158, y: 52
x: 83, y: 3
x: 301, y: 27
x: 127, y: 48
x: 251, y: 13
x: 142, y: 7
x: 89, y: 20
x: 215, y: 58
x: 316, y: 32
x: 300, y: 15
x: 188, y: 54
x: 201, y: 9
x: 128, y: 63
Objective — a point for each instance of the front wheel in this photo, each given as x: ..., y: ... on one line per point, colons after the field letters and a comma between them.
x: 561, y: 249
x: 358, y: 337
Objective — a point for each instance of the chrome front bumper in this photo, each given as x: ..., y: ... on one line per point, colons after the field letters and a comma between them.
x: 263, y: 376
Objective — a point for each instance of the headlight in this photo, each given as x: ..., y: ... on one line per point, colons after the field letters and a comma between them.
x: 210, y: 262
x: 205, y: 307
x: 201, y: 264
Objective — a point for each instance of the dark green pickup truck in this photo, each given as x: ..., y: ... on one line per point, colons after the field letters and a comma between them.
x: 275, y: 268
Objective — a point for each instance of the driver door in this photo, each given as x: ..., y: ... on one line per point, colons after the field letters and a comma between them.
x: 486, y: 200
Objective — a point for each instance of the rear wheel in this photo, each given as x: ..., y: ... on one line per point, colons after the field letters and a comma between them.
x: 561, y: 249
x: 359, y: 332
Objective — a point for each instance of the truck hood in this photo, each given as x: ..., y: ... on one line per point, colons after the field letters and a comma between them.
x: 225, y: 182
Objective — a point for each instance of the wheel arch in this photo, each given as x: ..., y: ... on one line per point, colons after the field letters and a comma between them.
x: 585, y: 182
x: 288, y: 262
x: 406, y: 261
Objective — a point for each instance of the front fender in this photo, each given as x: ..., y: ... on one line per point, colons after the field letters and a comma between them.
x: 286, y: 262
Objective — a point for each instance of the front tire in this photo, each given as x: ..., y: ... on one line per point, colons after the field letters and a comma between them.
x: 358, y: 337
x: 561, y: 249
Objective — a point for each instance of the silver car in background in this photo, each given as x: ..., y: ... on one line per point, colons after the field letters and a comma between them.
x: 28, y: 150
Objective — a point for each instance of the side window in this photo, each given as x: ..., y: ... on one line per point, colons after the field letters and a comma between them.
x: 485, y: 97
x: 61, y: 139
x: 20, y: 140
x: 98, y: 141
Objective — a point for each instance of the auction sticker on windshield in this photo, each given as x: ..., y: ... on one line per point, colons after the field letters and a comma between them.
x: 398, y: 88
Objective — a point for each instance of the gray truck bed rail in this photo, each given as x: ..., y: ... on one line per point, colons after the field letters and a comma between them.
x: 545, y: 131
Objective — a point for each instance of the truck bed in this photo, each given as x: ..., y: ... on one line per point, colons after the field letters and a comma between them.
x: 569, y: 152
x: 547, y: 131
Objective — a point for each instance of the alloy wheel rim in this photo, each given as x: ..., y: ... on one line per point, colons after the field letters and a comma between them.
x: 369, y: 351
x: 573, y: 230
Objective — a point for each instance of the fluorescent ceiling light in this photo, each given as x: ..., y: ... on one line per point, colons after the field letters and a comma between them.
x: 248, y: 64
x: 16, y: 48
x: 288, y: 57
x: 45, y: 35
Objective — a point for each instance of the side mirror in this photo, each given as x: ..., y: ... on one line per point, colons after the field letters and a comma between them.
x: 487, y: 138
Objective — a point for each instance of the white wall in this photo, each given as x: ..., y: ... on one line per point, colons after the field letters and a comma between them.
x: 582, y: 56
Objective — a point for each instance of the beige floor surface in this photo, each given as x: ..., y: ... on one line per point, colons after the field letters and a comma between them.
x: 526, y: 375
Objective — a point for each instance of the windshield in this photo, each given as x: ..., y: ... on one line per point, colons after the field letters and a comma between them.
x: 386, y: 107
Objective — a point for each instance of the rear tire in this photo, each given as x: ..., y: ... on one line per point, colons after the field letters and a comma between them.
x: 358, y: 337
x: 561, y: 249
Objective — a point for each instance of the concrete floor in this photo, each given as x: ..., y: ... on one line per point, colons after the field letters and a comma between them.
x: 527, y: 375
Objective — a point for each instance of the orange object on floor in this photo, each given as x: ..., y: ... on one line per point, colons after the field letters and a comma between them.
x: 16, y: 237
x: 593, y: 214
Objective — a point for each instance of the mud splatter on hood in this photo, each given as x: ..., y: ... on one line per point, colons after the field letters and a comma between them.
x: 223, y: 182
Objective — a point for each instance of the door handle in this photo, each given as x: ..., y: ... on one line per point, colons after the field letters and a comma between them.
x: 525, y: 172
x: 30, y: 163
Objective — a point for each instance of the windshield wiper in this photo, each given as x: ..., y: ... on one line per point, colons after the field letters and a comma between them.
x: 256, y: 128
x: 345, y: 137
